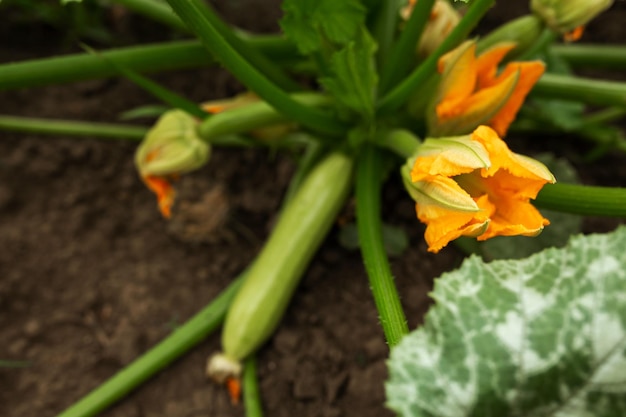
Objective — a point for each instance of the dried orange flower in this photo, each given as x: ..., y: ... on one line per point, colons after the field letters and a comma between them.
x: 472, y: 91
x: 475, y: 186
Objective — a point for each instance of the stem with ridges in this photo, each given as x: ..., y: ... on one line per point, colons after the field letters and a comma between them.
x: 403, y: 51
x: 583, y: 199
x: 251, y: 397
x: 384, y: 29
x: 155, y: 10
x: 156, y: 57
x: 312, y: 118
x: 175, y: 345
x: 398, y: 96
x: 72, y: 128
x: 602, y: 92
x: 368, y: 190
x: 592, y: 55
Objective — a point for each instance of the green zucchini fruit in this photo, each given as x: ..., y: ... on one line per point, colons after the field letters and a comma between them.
x: 259, y: 305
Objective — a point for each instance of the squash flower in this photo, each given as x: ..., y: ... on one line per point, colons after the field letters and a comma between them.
x: 568, y: 17
x: 170, y: 148
x: 472, y: 92
x: 475, y: 186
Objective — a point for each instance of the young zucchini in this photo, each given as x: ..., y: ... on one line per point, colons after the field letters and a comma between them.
x: 260, y: 303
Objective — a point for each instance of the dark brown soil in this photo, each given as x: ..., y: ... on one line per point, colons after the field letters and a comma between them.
x: 91, y: 276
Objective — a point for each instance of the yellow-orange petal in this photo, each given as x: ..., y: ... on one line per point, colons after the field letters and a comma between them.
x: 574, y: 35
x: 233, y: 385
x: 439, y: 191
x: 477, y: 109
x: 529, y: 74
x: 515, y: 217
x: 487, y: 63
x: 458, y: 68
x: 443, y: 226
x: 164, y: 192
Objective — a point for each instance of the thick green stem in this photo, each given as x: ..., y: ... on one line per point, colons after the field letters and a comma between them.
x: 254, y: 116
x: 398, y: 96
x: 145, y: 59
x: 157, y: 358
x: 583, y: 199
x: 592, y: 55
x: 251, y: 397
x: 314, y: 119
x: 368, y: 194
x: 607, y: 93
x: 72, y: 128
x: 400, y: 141
x: 403, y: 51
x: 384, y: 29
x: 155, y: 10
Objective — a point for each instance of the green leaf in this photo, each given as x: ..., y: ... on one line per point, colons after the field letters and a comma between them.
x: 542, y: 336
x: 354, y: 79
x: 562, y: 225
x: 313, y: 23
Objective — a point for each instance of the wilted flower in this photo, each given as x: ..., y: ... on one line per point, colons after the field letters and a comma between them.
x: 443, y: 18
x: 170, y: 148
x: 472, y: 91
x: 474, y: 186
x: 568, y: 17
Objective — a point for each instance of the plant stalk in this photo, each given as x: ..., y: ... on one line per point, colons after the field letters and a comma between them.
x: 583, y: 199
x: 250, y: 76
x: 156, y: 57
x: 368, y: 191
x: 601, y: 92
x: 72, y: 128
x: 401, y: 92
x: 592, y: 55
x: 251, y: 396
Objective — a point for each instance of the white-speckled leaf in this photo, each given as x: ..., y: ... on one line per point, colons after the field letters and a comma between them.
x: 542, y: 336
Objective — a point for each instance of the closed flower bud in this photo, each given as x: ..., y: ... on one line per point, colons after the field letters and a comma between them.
x: 473, y: 92
x: 568, y: 17
x: 170, y: 148
x: 443, y: 18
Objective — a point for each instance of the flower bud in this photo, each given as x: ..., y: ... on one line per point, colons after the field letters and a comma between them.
x: 568, y: 16
x: 523, y: 31
x: 472, y: 92
x: 170, y: 148
x: 443, y: 18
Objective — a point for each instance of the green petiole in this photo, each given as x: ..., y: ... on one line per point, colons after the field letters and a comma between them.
x: 402, y: 54
x: 314, y: 119
x: 401, y: 92
x: 255, y: 115
x: 157, y: 358
x: 251, y: 397
x: 592, y: 55
x: 368, y: 186
x: 155, y: 10
x: 157, y: 57
x: 583, y: 199
x: 72, y: 128
x: 607, y: 93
